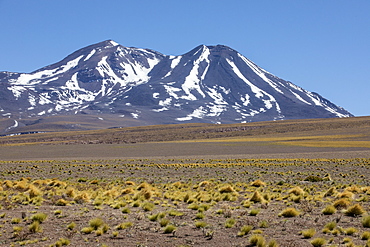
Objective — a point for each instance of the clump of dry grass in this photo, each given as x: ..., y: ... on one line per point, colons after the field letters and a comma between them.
x: 329, y: 210
x: 289, y: 212
x: 257, y: 197
x: 318, y: 242
x: 258, y: 183
x: 355, y: 210
x: 169, y: 229
x: 345, y: 194
x: 39, y: 217
x: 298, y: 191
x: 366, y: 221
x: 341, y: 203
x: 257, y: 240
x: 244, y: 230
x: 124, y: 225
x: 309, y: 233
x: 96, y: 223
x: 226, y: 189
x: 330, y: 192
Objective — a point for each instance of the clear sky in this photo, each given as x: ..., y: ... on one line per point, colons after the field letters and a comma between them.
x: 320, y: 45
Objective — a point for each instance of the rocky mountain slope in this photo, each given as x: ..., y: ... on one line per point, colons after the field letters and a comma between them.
x: 211, y: 84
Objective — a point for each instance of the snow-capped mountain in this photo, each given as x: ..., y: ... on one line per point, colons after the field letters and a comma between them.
x: 213, y: 84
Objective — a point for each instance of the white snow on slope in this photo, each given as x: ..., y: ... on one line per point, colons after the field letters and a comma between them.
x: 175, y: 61
x: 216, y: 96
x: 137, y: 72
x: 215, y: 110
x: 259, y: 93
x: 300, y: 98
x: 172, y: 91
x: 260, y: 73
x: 197, y: 113
x: 31, y: 79
x: 192, y: 81
x: 90, y: 55
x: 114, y: 43
x: 72, y: 84
x: 17, y: 90
x: 13, y: 126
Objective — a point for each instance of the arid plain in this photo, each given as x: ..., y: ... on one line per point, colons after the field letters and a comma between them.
x: 285, y: 183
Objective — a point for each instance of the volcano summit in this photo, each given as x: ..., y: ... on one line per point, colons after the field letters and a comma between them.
x: 210, y: 84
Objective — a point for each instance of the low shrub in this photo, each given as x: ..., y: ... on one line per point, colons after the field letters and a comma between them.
x: 96, y: 223
x: 200, y: 224
x: 329, y: 210
x: 366, y: 221
x: 354, y: 210
x: 309, y: 233
x: 296, y: 191
x: 230, y: 223
x: 330, y: 225
x: 35, y: 227
x: 39, y: 217
x: 147, y: 206
x: 341, y: 203
x: 257, y: 240
x: 254, y: 212
x: 244, y: 230
x: 313, y: 179
x: 123, y: 226
x: 164, y: 222
x: 317, y: 242
x: 87, y: 230
x: 289, y: 212
x: 258, y: 183
x: 169, y: 229
x: 226, y: 189
x: 257, y: 197
x: 365, y: 236
x: 350, y: 231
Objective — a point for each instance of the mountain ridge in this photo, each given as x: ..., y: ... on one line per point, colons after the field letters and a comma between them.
x: 210, y: 84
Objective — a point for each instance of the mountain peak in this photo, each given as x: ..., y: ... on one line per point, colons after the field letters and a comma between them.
x: 213, y: 84
x: 108, y: 43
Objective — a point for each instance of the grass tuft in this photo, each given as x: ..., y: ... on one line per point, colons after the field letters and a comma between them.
x: 329, y: 210
x: 354, y: 210
x: 39, y: 217
x: 169, y: 229
x: 244, y: 230
x: 318, y: 242
x: 308, y: 233
x: 366, y: 221
x: 96, y: 223
x: 289, y: 212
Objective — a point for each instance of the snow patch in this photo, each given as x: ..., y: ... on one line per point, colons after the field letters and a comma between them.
x: 260, y: 73
x: 15, y: 125
x: 197, y: 113
x: 192, y: 81
x: 175, y: 61
x: 16, y: 90
x: 165, y: 102
x: 300, y: 98
x: 161, y: 109
x: 32, y: 79
x: 114, y: 43
x: 90, y: 55
x: 155, y: 95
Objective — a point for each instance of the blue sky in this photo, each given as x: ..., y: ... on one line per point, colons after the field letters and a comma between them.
x: 322, y: 46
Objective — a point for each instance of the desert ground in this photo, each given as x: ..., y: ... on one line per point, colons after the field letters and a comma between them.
x: 293, y: 183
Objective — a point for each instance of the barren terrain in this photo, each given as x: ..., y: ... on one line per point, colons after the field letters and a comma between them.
x: 289, y: 183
